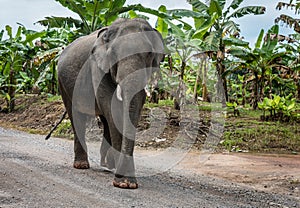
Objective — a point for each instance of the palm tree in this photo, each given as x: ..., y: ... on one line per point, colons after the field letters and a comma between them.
x: 218, y: 29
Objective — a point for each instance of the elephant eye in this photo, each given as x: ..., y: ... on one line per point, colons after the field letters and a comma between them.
x: 105, y: 37
x: 149, y: 54
x: 149, y: 58
x: 109, y: 35
x: 93, y: 50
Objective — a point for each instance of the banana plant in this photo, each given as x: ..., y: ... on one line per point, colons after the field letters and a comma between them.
x: 292, y: 22
x: 15, y: 53
x: 261, y: 61
x: 27, y: 61
x: 94, y: 14
x: 182, y: 48
x: 50, y: 47
x: 279, y: 107
x: 292, y: 63
x: 218, y: 29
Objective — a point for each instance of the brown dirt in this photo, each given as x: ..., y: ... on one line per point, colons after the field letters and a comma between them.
x: 266, y: 172
x: 33, y: 113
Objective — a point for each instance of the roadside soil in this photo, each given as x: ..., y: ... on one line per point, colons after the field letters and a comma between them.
x: 276, y: 173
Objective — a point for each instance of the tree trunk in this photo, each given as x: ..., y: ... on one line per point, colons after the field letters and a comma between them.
x: 297, y: 83
x: 298, y: 91
x: 54, y: 80
x: 261, y: 89
x: 255, y: 92
x: 244, y: 93
x: 222, y: 82
x: 195, y: 94
x: 170, y: 61
x: 11, y: 91
x: 204, y: 85
x: 180, y: 92
x: 270, y: 87
x: 182, y: 69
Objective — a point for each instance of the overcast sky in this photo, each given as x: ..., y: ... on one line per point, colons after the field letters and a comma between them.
x: 27, y: 12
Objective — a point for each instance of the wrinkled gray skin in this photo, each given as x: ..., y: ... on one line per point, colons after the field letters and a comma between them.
x: 104, y: 74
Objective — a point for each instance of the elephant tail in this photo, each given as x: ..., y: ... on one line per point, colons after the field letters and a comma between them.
x: 56, y: 125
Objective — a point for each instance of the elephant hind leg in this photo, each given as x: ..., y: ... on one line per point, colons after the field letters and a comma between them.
x: 80, y: 149
x: 78, y: 121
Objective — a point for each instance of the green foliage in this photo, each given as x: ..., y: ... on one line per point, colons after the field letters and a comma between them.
x: 231, y: 143
x: 93, y: 14
x: 259, y: 65
x: 161, y: 25
x: 14, y: 52
x: 64, y: 129
x: 161, y: 103
x: 280, y: 108
x: 248, y: 134
x: 28, y: 62
x: 217, y: 30
x: 234, y: 107
x: 53, y: 98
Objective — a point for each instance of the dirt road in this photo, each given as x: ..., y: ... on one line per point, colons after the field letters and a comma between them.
x: 39, y: 173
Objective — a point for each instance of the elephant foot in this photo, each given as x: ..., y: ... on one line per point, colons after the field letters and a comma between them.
x: 125, y: 183
x: 81, y: 165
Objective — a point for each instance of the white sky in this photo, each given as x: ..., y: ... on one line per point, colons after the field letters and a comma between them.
x: 27, y: 12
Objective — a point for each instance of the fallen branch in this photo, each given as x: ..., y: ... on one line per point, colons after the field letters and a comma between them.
x: 56, y: 125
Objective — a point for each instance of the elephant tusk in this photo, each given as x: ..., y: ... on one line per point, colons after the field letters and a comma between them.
x: 119, y: 93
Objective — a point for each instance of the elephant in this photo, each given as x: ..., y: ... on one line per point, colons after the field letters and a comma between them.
x: 104, y: 74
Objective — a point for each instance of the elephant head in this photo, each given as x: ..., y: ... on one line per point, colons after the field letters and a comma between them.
x: 126, y: 47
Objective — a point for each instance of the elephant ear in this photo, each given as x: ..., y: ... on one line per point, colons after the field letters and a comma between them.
x: 158, y: 46
x: 99, y: 51
x: 159, y: 57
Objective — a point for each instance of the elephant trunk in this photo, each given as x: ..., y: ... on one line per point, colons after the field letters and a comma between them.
x: 133, y: 97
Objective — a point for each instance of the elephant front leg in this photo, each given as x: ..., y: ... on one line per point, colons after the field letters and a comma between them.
x: 125, y: 171
x: 122, y: 154
x: 122, y: 132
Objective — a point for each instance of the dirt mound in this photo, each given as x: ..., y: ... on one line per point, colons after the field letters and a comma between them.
x: 33, y: 113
